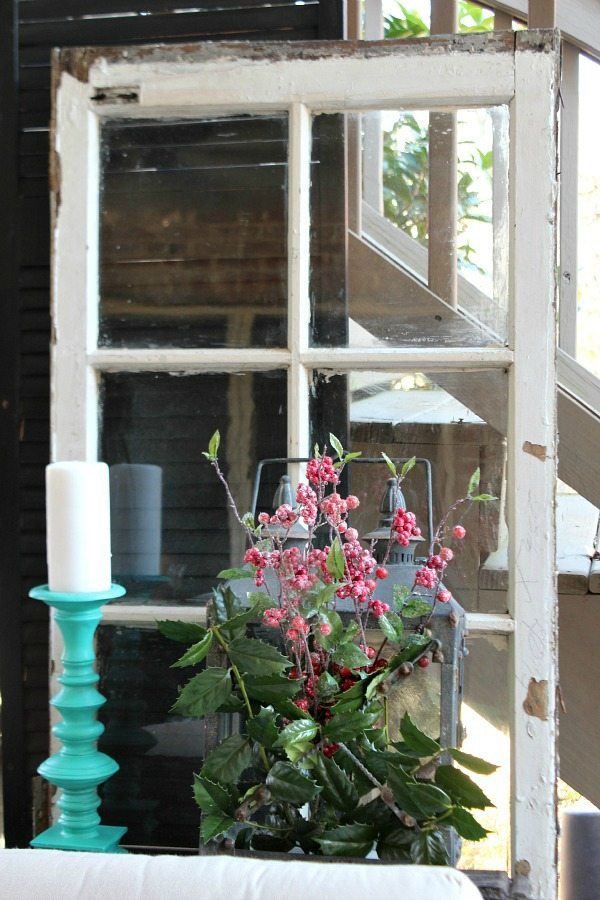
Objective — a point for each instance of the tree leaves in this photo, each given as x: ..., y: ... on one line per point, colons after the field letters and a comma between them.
x: 204, y: 693
x: 228, y: 759
x: 461, y: 788
x: 288, y: 784
x: 196, y: 653
x: 235, y: 574
x: 415, y: 608
x: 213, y: 797
x: 416, y: 739
x: 474, y: 482
x: 337, y: 787
x: 255, y: 657
x: 391, y: 466
x: 395, y: 845
x: 408, y: 465
x: 336, y: 445
x: 347, y: 840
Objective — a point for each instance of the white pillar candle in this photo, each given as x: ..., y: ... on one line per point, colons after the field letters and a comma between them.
x: 78, y: 527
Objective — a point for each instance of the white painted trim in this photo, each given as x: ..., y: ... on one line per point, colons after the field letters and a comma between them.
x: 188, y: 361
x: 579, y: 382
x: 122, y: 614
x: 532, y: 595
x: 73, y: 387
x: 422, y: 359
x: 569, y: 199
x: 489, y: 623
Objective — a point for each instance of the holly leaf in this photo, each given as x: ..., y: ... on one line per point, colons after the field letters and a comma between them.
x: 289, y: 785
x: 336, y: 561
x: 474, y: 763
x: 349, y: 725
x: 263, y: 728
x: 337, y: 787
x: 236, y: 626
x: 416, y: 739
x: 419, y: 800
x: 474, y: 482
x: 351, y: 700
x: 391, y: 466
x: 415, y: 608
x: 429, y: 849
x: 347, y: 840
x: 235, y: 574
x: 333, y: 619
x: 271, y: 688
x: 255, y: 657
x: 336, y: 444
x: 395, y: 845
x: 467, y: 825
x: 213, y: 797
x: 400, y: 593
x: 302, y: 749
x: 408, y: 465
x: 196, y: 652
x: 351, y: 656
x: 214, y: 825
x: 228, y: 759
x: 204, y: 693
x: 327, y: 686
x: 461, y: 788
x: 184, y: 632
x: 300, y: 730
x: 392, y: 626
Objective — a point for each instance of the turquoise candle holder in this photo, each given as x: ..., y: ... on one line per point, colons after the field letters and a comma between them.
x: 78, y: 768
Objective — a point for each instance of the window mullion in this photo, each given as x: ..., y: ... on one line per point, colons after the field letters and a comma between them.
x: 298, y: 441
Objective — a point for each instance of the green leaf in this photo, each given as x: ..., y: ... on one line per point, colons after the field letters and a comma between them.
x: 351, y: 700
x: 419, y: 800
x: 395, y: 845
x: 336, y: 445
x: 271, y: 688
x: 474, y: 763
x: 429, y: 849
x: 327, y: 686
x: 301, y: 730
x: 184, y: 632
x: 351, y: 656
x: 392, y: 626
x: 204, y: 693
x: 301, y: 750
x: 400, y: 593
x: 248, y: 521
x: 228, y: 759
x: 350, y: 456
x: 213, y: 445
x: 347, y: 840
x: 214, y: 825
x: 483, y: 498
x: 391, y: 466
x: 196, y: 652
x: 349, y: 725
x: 231, y: 705
x: 416, y: 739
x: 289, y: 785
x: 415, y: 608
x: 331, y: 618
x: 337, y: 787
x: 255, y: 657
x: 474, y: 482
x: 236, y: 626
x: 408, y: 465
x: 263, y: 728
x: 461, y: 788
x: 336, y: 561
x: 467, y: 825
x: 213, y: 797
x: 235, y: 574
x: 415, y: 644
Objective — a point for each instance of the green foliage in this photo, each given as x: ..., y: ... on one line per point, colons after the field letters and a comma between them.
x: 213, y: 447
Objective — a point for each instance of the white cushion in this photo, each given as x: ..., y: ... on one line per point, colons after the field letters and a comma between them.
x: 56, y: 875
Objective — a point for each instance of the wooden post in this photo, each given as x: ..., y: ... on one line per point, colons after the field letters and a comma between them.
x: 569, y: 125
x: 443, y: 178
x: 542, y: 14
x: 502, y: 21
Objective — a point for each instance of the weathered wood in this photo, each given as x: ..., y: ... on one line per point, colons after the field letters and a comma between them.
x: 569, y: 189
x: 578, y: 458
x: 542, y: 14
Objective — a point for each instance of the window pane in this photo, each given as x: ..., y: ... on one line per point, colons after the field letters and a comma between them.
x: 172, y: 531
x: 193, y: 233
x: 454, y: 420
x: 427, y: 246
x: 157, y: 752
x: 588, y: 231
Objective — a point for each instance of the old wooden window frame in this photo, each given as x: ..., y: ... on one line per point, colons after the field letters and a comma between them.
x: 161, y: 83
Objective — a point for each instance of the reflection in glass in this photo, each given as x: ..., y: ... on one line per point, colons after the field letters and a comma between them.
x: 455, y: 420
x: 155, y: 427
x: 485, y: 716
x: 193, y: 233
x: 394, y: 249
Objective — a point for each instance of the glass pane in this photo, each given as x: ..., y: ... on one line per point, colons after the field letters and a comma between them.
x: 172, y: 531
x: 427, y: 247
x: 193, y: 233
x: 457, y: 422
x: 157, y: 752
x: 588, y: 232
x: 485, y: 715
